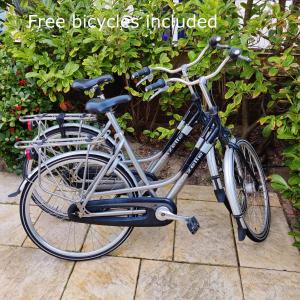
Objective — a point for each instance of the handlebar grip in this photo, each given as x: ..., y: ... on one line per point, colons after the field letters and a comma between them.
x: 214, y: 41
x: 160, y: 83
x: 245, y: 58
x: 142, y: 72
x: 235, y: 53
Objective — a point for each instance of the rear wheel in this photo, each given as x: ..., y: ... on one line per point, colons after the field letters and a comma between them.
x: 250, y: 191
x: 70, y: 131
x: 60, y: 186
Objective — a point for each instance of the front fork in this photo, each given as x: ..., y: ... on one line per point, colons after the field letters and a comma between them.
x: 230, y: 185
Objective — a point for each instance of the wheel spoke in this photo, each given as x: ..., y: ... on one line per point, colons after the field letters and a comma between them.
x: 254, y: 202
x: 54, y: 230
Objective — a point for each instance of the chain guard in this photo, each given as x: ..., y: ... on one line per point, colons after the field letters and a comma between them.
x: 150, y: 204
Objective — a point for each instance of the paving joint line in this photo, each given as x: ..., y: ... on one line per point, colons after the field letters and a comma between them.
x: 8, y: 203
x: 215, y: 201
x: 169, y: 261
x: 137, y: 279
x: 269, y: 269
x: 174, y: 241
x: 67, y: 281
x: 237, y: 256
x: 175, y: 261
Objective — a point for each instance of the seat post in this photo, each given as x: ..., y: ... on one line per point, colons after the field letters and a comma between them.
x: 114, y: 122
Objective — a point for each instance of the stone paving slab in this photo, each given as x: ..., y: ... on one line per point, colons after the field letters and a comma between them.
x: 11, y: 230
x: 151, y: 264
x: 169, y: 280
x: 151, y: 243
x: 194, y: 192
x: 31, y: 274
x: 267, y: 284
x: 213, y: 243
x: 276, y: 252
x: 274, y: 200
x: 206, y: 193
x: 108, y: 278
x: 9, y: 183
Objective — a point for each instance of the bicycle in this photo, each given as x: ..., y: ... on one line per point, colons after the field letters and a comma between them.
x: 72, y: 133
x: 124, y: 205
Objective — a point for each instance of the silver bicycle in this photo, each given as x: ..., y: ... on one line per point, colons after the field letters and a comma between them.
x: 103, y: 199
x: 61, y: 138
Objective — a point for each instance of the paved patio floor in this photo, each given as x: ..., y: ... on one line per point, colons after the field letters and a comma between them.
x: 156, y: 263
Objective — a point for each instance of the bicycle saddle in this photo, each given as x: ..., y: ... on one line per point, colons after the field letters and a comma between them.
x: 105, y: 105
x: 86, y: 84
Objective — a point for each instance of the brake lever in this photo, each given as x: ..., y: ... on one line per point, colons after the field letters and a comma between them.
x: 148, y: 77
x: 161, y: 90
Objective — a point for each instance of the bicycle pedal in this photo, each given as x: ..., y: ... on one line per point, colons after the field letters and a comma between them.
x: 192, y: 225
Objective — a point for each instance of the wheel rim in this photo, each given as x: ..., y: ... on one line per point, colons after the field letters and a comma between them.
x: 66, y: 238
x: 254, y: 202
x: 53, y: 151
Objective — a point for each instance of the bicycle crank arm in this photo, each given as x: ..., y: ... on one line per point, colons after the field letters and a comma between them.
x: 163, y: 214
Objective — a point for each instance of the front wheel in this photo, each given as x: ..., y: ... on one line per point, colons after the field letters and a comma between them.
x: 246, y: 186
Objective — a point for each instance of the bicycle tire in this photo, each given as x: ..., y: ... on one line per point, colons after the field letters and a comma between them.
x: 25, y: 203
x: 240, y: 188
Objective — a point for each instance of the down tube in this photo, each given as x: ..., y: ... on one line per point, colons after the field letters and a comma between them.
x: 213, y: 169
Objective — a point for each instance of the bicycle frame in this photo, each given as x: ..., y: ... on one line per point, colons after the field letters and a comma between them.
x: 183, y: 129
x: 203, y: 146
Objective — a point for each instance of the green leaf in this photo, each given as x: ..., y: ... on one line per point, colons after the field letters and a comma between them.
x: 48, y: 42
x: 71, y: 68
x: 177, y: 117
x: 32, y: 74
x: 279, y: 183
x: 266, y: 132
x: 274, y: 59
x: 164, y: 59
x: 294, y: 180
x: 229, y: 93
x: 273, y: 71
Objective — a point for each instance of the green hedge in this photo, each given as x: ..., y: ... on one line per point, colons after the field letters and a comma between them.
x: 55, y: 57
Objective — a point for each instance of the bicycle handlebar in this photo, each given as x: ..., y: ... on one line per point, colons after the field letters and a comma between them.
x: 142, y: 72
x: 160, y: 83
x: 213, y: 42
x: 234, y: 54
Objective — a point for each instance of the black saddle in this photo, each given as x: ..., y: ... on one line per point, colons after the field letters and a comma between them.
x: 86, y: 84
x: 104, y: 106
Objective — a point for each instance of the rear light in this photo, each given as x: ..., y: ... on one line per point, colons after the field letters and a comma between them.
x: 31, y: 125
x: 31, y: 154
